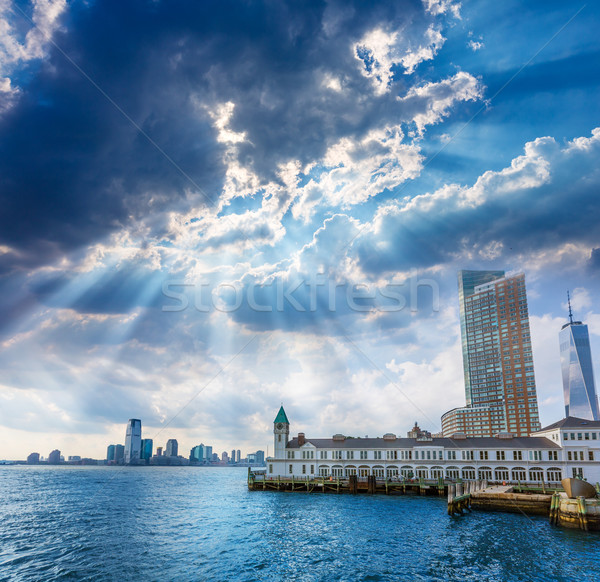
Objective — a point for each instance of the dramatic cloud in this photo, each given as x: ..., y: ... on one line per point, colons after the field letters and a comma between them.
x: 208, y: 209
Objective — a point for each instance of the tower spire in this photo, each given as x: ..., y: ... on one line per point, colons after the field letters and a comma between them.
x: 570, y: 312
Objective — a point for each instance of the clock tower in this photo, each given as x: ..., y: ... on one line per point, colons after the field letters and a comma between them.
x: 281, y: 432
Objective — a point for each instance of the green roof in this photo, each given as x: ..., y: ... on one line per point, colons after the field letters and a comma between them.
x: 281, y: 416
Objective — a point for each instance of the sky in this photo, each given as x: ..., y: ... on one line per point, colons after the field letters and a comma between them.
x: 209, y: 209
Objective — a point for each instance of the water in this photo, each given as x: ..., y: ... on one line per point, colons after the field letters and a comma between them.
x: 183, y: 523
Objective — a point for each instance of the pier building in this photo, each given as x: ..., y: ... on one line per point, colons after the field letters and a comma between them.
x: 500, y: 388
x: 568, y: 448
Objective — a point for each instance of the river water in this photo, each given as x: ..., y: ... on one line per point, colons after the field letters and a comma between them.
x: 185, y: 523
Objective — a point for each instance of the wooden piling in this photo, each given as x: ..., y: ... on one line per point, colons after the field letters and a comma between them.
x: 582, y: 511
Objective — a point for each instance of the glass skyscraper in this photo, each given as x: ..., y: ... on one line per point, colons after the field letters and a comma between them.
x: 500, y: 386
x: 133, y: 441
x: 579, y: 390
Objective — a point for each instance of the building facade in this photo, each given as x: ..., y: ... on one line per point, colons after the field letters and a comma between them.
x: 133, y: 441
x: 499, y: 378
x: 172, y: 448
x: 567, y: 448
x: 577, y: 371
x: 146, y: 449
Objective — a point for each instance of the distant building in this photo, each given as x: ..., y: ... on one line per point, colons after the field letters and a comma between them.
x: 416, y: 433
x: 224, y: 457
x: 260, y: 457
x: 33, y: 459
x: 239, y: 456
x: 215, y: 458
x: 197, y: 454
x: 133, y: 441
x: 579, y: 388
x: 233, y: 456
x: 159, y: 451
x: 54, y: 457
x: 208, y: 454
x: 146, y: 450
x: 172, y: 448
x: 74, y: 458
x: 110, y: 453
x: 497, y: 358
x: 119, y: 454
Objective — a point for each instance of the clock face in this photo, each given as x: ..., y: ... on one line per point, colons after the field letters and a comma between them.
x: 279, y: 425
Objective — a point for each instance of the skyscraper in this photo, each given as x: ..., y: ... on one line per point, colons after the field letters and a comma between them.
x: 133, y: 441
x: 119, y: 454
x: 110, y: 453
x: 146, y: 449
x: 54, y: 457
x: 497, y: 358
x: 172, y: 448
x: 577, y: 371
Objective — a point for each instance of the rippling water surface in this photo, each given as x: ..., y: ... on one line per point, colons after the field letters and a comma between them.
x: 184, y: 523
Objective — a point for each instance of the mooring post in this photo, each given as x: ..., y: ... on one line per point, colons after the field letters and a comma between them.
x: 582, y: 510
x: 451, y: 494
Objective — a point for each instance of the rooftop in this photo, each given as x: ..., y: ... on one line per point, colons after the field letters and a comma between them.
x: 573, y: 422
x: 281, y: 416
x: 447, y: 443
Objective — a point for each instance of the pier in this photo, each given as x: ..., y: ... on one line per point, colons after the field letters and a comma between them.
x: 259, y: 481
x: 463, y: 496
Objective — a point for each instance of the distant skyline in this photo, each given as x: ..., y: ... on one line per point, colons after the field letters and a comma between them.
x: 209, y: 209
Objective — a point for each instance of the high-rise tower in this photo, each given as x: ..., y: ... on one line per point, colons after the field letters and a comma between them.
x: 133, y: 441
x: 577, y: 371
x: 497, y: 358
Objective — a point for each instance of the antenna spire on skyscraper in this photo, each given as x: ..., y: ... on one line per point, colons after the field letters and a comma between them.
x: 569, y: 302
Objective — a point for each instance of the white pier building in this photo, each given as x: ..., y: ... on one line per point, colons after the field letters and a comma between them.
x: 568, y: 448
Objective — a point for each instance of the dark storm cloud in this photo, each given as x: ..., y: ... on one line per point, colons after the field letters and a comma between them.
x: 73, y: 169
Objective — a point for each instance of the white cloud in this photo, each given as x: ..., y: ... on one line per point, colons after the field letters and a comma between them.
x: 442, y: 7
x: 432, y: 102
x: 45, y: 16
x: 475, y: 45
x: 379, y: 51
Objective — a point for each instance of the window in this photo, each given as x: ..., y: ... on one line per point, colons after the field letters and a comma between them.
x: 312, y: 469
x: 452, y: 455
x: 323, y: 454
x: 363, y: 454
x: 270, y: 467
x: 349, y: 454
x: 590, y: 455
x: 566, y: 436
x: 483, y: 455
x: 291, y: 469
x: 377, y: 455
x: 569, y: 456
x: 279, y: 438
x: 517, y: 455
x: 587, y: 436
x: 500, y: 456
x: 553, y: 455
x: 579, y: 436
x: 304, y: 469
